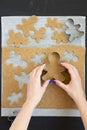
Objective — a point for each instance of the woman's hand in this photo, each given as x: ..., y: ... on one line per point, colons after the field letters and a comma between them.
x: 35, y: 91
x: 34, y: 94
x: 74, y: 88
x: 75, y: 91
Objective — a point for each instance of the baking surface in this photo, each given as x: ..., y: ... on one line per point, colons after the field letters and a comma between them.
x: 59, y: 98
x: 10, y: 22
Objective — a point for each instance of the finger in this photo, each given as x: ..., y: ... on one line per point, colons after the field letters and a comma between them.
x: 36, y: 68
x: 67, y: 65
x: 34, y: 71
x: 60, y: 84
x: 76, y: 71
x: 31, y: 74
x: 45, y: 84
x: 40, y: 69
x: 41, y: 66
x: 70, y: 68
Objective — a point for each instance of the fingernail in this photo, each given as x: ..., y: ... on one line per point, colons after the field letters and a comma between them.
x: 52, y: 81
x: 61, y: 62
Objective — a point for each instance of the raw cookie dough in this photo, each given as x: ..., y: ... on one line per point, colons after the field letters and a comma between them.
x: 53, y: 68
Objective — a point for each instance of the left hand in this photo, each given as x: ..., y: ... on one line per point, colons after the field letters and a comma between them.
x: 34, y: 89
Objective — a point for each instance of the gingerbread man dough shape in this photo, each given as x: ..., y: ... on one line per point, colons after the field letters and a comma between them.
x: 60, y: 37
x: 53, y: 23
x: 16, y: 38
x: 53, y: 68
x: 39, y: 34
x: 27, y: 25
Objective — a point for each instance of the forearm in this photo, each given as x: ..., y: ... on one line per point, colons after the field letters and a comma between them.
x: 23, y: 118
x: 82, y: 106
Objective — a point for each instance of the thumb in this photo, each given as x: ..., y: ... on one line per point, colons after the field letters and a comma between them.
x: 61, y: 85
x: 45, y: 84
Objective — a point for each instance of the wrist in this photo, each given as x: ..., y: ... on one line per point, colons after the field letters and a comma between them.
x: 30, y: 104
x: 80, y: 101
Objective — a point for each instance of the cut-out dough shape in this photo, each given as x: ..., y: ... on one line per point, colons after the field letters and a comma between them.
x: 16, y: 60
x: 67, y: 77
x: 16, y: 38
x: 53, y: 23
x: 39, y: 34
x: 53, y: 68
x: 60, y: 37
x: 37, y: 58
x: 15, y: 97
x: 28, y: 25
x: 22, y: 79
x: 69, y: 56
x: 73, y: 30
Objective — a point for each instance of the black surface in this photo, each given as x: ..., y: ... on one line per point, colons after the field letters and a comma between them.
x: 45, y: 7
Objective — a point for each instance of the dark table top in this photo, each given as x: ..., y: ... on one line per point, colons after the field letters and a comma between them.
x: 43, y: 8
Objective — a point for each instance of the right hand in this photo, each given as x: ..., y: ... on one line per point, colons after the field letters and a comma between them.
x: 74, y: 88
